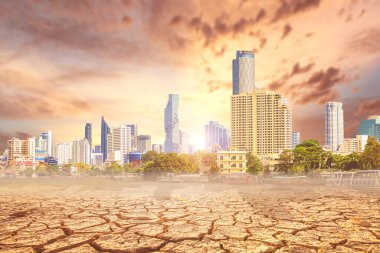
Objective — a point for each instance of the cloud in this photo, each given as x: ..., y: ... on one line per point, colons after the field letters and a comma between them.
x: 369, y: 107
x: 287, y: 29
x: 127, y: 21
x: 5, y: 136
x: 288, y: 8
x: 214, y: 85
x: 260, y: 15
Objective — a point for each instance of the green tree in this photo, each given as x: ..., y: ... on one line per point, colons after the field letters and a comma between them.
x: 310, y: 155
x: 149, y: 156
x: 371, y: 155
x: 254, y: 165
x: 114, y: 169
x: 286, y: 161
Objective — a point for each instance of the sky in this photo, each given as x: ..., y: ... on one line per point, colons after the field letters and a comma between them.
x: 65, y: 63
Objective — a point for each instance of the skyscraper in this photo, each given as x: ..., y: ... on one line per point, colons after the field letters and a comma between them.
x: 370, y: 127
x: 21, y: 151
x: 216, y: 137
x: 134, y: 134
x: 334, y: 126
x: 118, y: 143
x: 185, y: 145
x: 157, y: 148
x: 88, y: 133
x: 63, y: 151
x: 103, y: 136
x: 48, y: 136
x: 296, y: 139
x: 172, y: 138
x: 243, y: 72
x: 144, y: 143
x: 261, y: 123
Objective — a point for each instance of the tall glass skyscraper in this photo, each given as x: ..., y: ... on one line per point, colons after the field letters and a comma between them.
x: 216, y: 137
x: 370, y: 127
x: 134, y: 134
x: 334, y: 126
x: 243, y: 72
x: 88, y: 133
x: 48, y: 137
x: 172, y: 138
x: 103, y: 136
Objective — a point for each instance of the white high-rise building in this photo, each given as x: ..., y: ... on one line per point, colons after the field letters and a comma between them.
x: 296, y: 139
x: 243, y: 72
x: 334, y: 126
x: 172, y: 138
x: 81, y: 151
x: 63, y: 151
x: 48, y: 136
x: 119, y: 143
x: 21, y: 151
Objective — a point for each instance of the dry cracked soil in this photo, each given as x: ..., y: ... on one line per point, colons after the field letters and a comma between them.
x: 100, y: 215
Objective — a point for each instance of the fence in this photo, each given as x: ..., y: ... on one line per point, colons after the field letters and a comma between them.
x: 363, y: 178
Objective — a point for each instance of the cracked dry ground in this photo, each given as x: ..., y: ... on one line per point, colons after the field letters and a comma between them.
x: 148, y: 217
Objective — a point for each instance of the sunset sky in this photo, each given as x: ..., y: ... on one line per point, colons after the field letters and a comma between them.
x: 65, y: 63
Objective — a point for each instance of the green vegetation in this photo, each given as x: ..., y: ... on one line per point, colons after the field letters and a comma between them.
x: 309, y: 157
x: 254, y: 165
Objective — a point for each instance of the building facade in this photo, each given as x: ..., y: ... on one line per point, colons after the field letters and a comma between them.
x: 261, y: 123
x: 172, y: 134
x: 81, y: 151
x: 334, y: 126
x: 144, y: 143
x: 48, y: 137
x: 216, y: 137
x: 104, y: 131
x: 134, y: 134
x: 63, y: 151
x: 296, y: 139
x: 230, y: 161
x: 243, y: 72
x: 21, y: 152
x: 370, y: 127
x: 88, y: 133
x: 158, y: 148
x: 356, y: 144
x: 118, y: 143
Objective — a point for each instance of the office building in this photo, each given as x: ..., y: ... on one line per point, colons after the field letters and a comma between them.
x: 81, y: 151
x: 63, y: 151
x: 97, y: 158
x: 48, y: 136
x: 104, y: 131
x: 88, y: 133
x: 158, y: 148
x: 261, y: 123
x: 334, y: 126
x: 144, y: 143
x: 98, y: 149
x: 216, y: 137
x: 185, y: 145
x: 370, y: 127
x: 172, y: 135
x: 243, y: 72
x: 230, y: 161
x: 296, y: 139
x: 356, y: 144
x: 118, y: 143
x: 21, y: 152
x: 134, y: 134
x: 41, y: 151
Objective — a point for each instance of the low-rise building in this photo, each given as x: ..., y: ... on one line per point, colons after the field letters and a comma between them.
x: 232, y: 161
x: 356, y: 144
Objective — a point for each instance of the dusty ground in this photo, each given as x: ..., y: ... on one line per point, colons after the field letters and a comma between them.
x: 100, y: 215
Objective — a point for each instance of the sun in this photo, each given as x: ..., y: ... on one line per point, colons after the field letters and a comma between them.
x: 198, y: 142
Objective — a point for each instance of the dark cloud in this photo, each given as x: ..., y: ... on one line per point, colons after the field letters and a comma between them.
x: 286, y: 30
x: 5, y: 136
x: 288, y: 8
x: 260, y: 15
x: 127, y: 21
x: 367, y: 41
x: 369, y: 107
x: 176, y: 20
x: 214, y: 85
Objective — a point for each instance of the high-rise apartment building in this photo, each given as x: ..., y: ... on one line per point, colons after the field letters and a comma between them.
x: 243, y: 72
x: 41, y: 151
x: 144, y: 143
x: 118, y: 143
x: 216, y: 137
x: 81, y: 151
x: 63, y: 151
x: 88, y: 133
x: 356, y: 144
x: 48, y: 136
x: 296, y: 139
x: 134, y: 134
x: 172, y: 138
x: 334, y: 126
x: 104, y: 129
x: 185, y: 145
x: 370, y: 127
x: 21, y: 151
x: 261, y: 123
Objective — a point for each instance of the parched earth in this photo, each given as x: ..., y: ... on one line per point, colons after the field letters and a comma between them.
x: 100, y: 215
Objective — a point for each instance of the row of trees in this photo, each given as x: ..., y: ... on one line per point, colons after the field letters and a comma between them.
x: 309, y: 157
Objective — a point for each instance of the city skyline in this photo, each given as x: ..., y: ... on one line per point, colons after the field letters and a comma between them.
x: 193, y: 59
